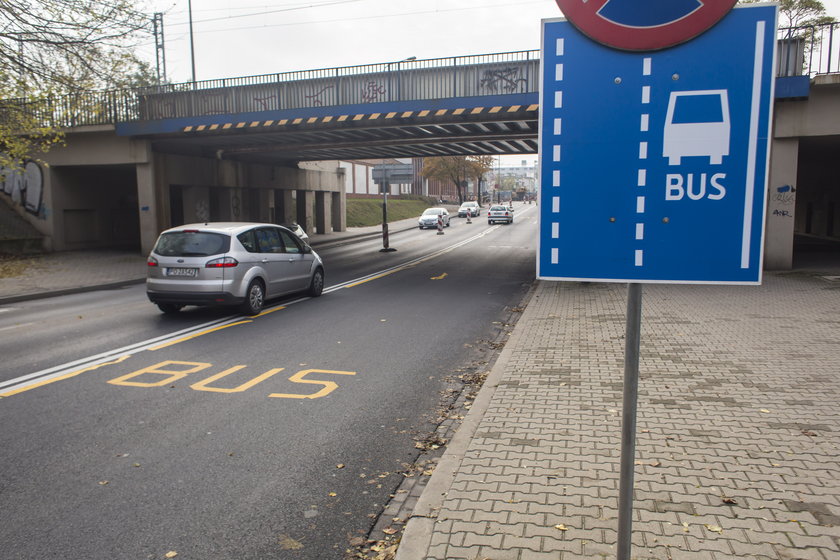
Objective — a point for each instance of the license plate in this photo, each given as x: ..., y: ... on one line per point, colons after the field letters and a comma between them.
x: 188, y: 272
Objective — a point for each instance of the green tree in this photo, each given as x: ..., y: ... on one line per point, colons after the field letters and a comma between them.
x: 798, y: 13
x: 458, y: 169
x: 55, y: 47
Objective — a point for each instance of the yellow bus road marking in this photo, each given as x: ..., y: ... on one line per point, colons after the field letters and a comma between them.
x: 63, y: 377
x: 328, y: 386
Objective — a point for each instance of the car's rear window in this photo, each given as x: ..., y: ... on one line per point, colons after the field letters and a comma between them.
x: 192, y: 244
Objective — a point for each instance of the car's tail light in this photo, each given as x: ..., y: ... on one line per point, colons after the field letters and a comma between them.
x: 152, y: 261
x: 224, y: 262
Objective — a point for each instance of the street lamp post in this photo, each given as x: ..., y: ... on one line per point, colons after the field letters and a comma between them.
x: 398, y: 62
x: 192, y: 44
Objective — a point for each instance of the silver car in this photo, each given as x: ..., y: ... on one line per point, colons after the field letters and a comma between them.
x: 500, y: 213
x: 429, y: 218
x: 232, y: 263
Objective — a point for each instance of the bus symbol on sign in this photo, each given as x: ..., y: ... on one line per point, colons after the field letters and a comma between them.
x: 692, y: 134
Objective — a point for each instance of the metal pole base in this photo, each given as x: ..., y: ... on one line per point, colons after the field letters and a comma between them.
x: 632, y: 341
x: 387, y: 250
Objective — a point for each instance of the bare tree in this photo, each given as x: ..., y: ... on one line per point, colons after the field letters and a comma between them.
x: 57, y: 47
x: 458, y: 169
x: 69, y: 45
x: 798, y: 13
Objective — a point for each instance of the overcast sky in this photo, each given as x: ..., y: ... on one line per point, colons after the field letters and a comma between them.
x: 247, y: 37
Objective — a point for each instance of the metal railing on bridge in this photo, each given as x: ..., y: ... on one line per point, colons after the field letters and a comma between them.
x: 808, y: 51
x: 466, y: 76
x: 463, y: 76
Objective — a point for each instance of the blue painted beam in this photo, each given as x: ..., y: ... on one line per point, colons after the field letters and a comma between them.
x: 176, y: 125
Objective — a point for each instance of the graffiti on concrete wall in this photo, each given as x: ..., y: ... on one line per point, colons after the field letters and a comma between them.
x: 506, y: 80
x: 316, y: 98
x: 25, y: 187
x: 373, y: 91
x: 783, y: 201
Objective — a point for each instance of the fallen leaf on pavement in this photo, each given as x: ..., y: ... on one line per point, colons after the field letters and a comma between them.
x: 340, y: 466
x: 714, y: 528
x: 730, y: 501
x: 390, y: 531
x: 288, y: 543
x: 561, y: 527
x: 170, y: 554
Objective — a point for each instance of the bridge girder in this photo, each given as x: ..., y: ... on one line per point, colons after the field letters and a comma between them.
x: 511, y: 129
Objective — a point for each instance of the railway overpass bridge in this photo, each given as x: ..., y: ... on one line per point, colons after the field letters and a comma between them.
x: 267, y: 147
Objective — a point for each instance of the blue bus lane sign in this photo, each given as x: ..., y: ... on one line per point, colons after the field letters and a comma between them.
x: 654, y: 164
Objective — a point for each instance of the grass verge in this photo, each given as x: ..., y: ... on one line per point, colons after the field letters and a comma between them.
x: 363, y: 212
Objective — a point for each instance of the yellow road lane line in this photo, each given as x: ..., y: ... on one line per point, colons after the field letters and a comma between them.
x: 441, y: 277
x: 63, y: 377
x: 196, y: 335
x: 272, y: 310
x: 377, y: 277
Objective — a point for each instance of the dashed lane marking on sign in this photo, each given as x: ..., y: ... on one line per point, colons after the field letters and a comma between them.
x: 644, y: 126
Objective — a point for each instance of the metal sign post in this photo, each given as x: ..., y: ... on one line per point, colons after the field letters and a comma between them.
x: 632, y: 341
x: 384, y: 175
x: 386, y: 248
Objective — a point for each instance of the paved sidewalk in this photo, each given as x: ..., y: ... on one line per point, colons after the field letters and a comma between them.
x: 737, y: 441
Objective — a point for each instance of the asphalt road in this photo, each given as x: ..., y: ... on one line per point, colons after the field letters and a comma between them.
x: 220, y: 436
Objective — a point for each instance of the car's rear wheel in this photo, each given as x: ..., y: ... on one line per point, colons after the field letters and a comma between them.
x: 254, y: 298
x: 316, y: 286
x: 170, y: 308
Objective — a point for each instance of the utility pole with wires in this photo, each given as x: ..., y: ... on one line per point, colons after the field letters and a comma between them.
x: 160, y: 49
x: 192, y: 42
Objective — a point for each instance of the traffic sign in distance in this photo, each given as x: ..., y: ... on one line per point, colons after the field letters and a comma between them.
x: 654, y: 165
x: 644, y: 25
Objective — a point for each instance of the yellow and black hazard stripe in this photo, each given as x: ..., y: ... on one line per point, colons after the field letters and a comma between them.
x: 436, y: 113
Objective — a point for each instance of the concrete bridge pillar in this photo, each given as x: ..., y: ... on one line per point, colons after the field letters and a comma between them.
x: 147, y: 205
x: 781, y: 204
x: 339, y: 211
x: 323, y: 212
x: 305, y: 210
x: 284, y: 206
x: 264, y: 200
